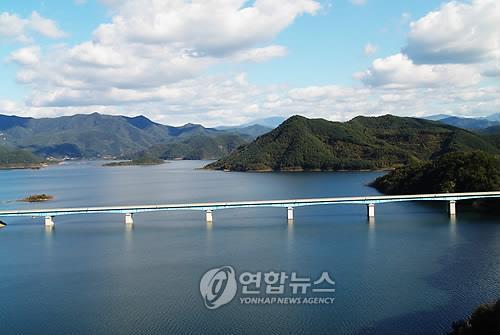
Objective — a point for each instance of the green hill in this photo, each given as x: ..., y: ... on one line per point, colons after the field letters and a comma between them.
x: 96, y: 135
x: 362, y: 143
x: 453, y: 172
x: 197, y: 147
x: 14, y: 158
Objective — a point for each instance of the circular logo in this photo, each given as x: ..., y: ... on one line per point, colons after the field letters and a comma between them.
x: 218, y: 287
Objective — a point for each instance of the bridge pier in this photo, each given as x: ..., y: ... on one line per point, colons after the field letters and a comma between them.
x: 452, y: 209
x: 370, y: 210
x: 208, y: 216
x: 290, y: 213
x: 49, y: 221
x: 129, y: 218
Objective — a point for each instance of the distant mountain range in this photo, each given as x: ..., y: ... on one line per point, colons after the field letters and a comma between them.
x: 252, y: 130
x: 268, y: 122
x: 362, y: 143
x: 298, y: 143
x: 467, y: 123
x: 96, y: 136
x: 256, y: 127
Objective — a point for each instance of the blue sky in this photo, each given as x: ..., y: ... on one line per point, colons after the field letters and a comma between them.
x: 229, y: 61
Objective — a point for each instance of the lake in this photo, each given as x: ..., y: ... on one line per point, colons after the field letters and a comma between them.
x: 412, y: 271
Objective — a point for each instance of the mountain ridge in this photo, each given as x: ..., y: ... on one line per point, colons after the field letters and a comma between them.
x: 474, y: 123
x: 362, y: 143
x: 98, y: 135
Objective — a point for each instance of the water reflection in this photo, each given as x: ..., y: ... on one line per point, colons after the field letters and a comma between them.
x: 371, y: 232
x: 129, y: 234
x: 48, y: 232
x: 209, y: 231
x: 453, y: 219
x: 290, y: 236
x: 453, y: 229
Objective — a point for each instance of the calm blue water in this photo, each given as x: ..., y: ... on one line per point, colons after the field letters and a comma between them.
x: 412, y: 272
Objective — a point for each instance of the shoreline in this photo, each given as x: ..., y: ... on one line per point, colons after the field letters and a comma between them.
x: 36, y: 166
x: 301, y: 170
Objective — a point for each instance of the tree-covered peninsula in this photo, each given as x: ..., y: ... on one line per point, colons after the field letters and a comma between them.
x: 18, y: 159
x: 453, y: 172
x: 385, y: 142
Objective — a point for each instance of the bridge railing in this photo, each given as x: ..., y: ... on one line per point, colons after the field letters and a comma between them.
x: 209, y: 207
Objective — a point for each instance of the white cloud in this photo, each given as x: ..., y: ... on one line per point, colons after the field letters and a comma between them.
x: 28, y: 56
x: 153, y: 56
x: 204, y: 27
x: 19, y: 29
x: 221, y: 99
x: 11, y: 26
x: 317, y: 93
x: 259, y: 55
x: 398, y: 71
x: 9, y: 107
x: 457, y: 33
x: 453, y: 46
x: 44, y: 26
x: 151, y: 44
x: 370, y: 49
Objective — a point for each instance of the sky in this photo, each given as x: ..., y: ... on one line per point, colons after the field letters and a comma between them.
x: 228, y: 62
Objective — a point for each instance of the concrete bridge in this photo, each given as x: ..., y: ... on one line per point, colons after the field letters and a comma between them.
x: 290, y: 204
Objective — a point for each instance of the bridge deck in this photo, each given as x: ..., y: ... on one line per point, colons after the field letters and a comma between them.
x: 262, y: 203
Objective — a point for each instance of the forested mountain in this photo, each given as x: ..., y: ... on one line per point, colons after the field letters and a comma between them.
x: 362, y: 143
x: 96, y: 135
x: 453, y: 172
x: 12, y: 158
x: 195, y: 147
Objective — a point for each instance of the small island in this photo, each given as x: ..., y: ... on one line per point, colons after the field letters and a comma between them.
x: 141, y: 161
x: 37, y: 198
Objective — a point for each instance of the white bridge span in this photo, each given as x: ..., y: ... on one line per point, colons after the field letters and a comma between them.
x: 290, y: 204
